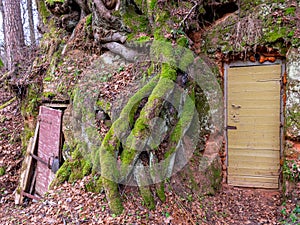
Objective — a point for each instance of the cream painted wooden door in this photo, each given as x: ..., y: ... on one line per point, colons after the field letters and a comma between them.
x: 253, y: 122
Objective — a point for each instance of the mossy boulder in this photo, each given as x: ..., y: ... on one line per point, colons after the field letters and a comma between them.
x: 270, y: 23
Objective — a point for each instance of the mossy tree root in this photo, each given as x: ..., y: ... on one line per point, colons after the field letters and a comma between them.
x: 109, y: 149
x: 139, y: 137
x: 136, y: 137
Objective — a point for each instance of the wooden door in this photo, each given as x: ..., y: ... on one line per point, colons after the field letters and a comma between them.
x: 48, y: 147
x: 253, y: 125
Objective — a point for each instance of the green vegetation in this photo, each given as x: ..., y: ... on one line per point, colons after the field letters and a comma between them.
x: 89, y: 20
x: 291, y: 218
x: 1, y: 63
x: 147, y: 197
x: 52, y: 2
x: 49, y: 94
x: 94, y: 185
x: 2, y: 171
x: 291, y: 171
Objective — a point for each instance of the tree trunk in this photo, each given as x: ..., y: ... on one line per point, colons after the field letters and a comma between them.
x: 4, y: 33
x: 31, y: 23
x: 14, y: 34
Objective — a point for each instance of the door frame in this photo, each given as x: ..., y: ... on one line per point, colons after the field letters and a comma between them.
x: 282, y: 105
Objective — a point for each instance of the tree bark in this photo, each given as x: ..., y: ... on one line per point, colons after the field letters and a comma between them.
x: 4, y: 33
x: 31, y: 23
x: 14, y: 34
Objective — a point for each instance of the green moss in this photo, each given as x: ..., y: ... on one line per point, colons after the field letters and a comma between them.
x: 158, y: 34
x: 104, y: 105
x: 1, y: 63
x: 28, y: 132
x: 216, y: 178
x: 76, y: 168
x: 75, y: 175
x: 32, y: 101
x: 48, y: 78
x: 43, y: 11
x: 176, y: 57
x: 151, y: 109
x: 184, y: 121
x: 185, y: 58
x: 2, y: 171
x: 49, y: 94
x: 52, y: 2
x: 168, y: 72
x: 89, y: 20
x: 160, y: 191
x: 275, y: 34
x: 63, y: 173
x: 86, y: 168
x: 163, y: 52
x: 290, y: 11
x: 92, y: 132
x: 94, y: 185
x: 29, y: 110
x: 142, y: 39
x: 113, y: 196
x: 147, y: 197
x: 137, y: 23
x: 152, y: 4
x: 111, y: 143
x: 77, y: 153
x: 183, y: 42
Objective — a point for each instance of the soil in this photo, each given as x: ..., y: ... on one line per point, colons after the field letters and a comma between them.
x: 70, y: 203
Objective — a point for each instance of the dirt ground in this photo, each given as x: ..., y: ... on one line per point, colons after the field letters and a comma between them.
x: 71, y: 204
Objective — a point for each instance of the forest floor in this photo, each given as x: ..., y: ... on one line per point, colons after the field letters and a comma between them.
x: 71, y: 204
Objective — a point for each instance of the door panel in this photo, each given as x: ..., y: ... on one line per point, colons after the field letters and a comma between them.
x: 253, y: 107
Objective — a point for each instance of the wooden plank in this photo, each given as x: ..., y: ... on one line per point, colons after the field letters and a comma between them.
x: 254, y: 134
x: 257, y: 127
x: 250, y: 171
x: 250, y: 104
x: 254, y: 74
x: 264, y: 139
x: 30, y: 196
x: 270, y: 95
x: 258, y: 112
x: 272, y: 119
x: 249, y: 144
x: 255, y: 91
x: 255, y: 152
x: 261, y: 165
x: 243, y: 86
x: 255, y: 179
x: 257, y: 159
x: 27, y: 168
x: 257, y: 184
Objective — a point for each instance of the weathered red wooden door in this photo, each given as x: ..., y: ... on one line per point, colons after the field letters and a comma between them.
x: 48, y: 146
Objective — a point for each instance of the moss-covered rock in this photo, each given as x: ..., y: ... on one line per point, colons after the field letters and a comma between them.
x: 268, y: 23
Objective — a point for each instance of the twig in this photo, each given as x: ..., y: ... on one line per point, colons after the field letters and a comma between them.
x: 189, y: 13
x: 8, y: 103
x: 6, y: 76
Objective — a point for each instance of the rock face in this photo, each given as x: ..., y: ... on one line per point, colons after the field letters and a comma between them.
x: 79, y: 122
x: 293, y: 93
